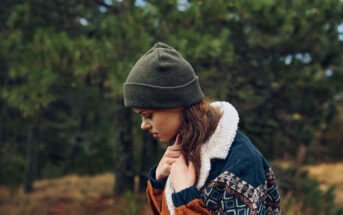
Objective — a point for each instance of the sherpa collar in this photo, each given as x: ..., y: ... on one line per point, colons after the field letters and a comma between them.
x: 217, y: 146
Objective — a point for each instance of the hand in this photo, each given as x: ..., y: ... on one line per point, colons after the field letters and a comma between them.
x: 170, y: 156
x: 182, y: 176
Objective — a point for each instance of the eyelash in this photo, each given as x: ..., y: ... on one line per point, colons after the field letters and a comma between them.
x: 147, y: 117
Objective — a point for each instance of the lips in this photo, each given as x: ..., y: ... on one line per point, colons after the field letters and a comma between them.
x: 155, y: 135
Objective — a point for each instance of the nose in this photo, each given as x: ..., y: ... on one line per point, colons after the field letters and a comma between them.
x: 145, y: 124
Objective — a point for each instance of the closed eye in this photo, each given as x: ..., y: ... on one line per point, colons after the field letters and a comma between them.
x: 147, y: 116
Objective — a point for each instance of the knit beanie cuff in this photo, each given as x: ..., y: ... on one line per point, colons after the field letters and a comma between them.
x: 140, y: 95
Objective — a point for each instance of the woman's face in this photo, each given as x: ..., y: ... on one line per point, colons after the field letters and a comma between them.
x: 163, y: 124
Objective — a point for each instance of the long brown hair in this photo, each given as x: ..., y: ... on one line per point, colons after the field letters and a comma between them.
x: 198, y: 122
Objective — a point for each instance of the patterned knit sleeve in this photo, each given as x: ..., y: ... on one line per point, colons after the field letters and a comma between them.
x: 189, y: 201
x: 229, y: 194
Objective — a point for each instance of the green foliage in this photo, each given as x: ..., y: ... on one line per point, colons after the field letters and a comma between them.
x: 63, y: 64
x: 12, y: 156
x: 13, y: 166
x: 268, y: 58
x: 305, y: 192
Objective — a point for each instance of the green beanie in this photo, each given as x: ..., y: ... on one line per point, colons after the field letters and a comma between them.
x: 162, y: 78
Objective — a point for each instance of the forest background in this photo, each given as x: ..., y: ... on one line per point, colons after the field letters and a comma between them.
x: 63, y: 64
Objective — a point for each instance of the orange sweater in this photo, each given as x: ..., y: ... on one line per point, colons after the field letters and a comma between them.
x: 158, y: 204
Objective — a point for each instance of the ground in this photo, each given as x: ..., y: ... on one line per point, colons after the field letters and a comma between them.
x: 76, y: 195
x: 328, y: 175
x: 71, y: 195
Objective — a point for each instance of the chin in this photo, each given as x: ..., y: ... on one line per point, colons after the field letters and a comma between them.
x: 170, y: 140
x: 163, y: 140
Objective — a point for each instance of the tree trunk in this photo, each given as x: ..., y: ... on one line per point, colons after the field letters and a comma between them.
x: 301, y: 154
x: 149, y: 152
x: 32, y: 155
x: 124, y: 166
x: 75, y: 147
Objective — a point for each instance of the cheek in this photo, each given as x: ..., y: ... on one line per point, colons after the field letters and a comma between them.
x: 166, y: 126
x: 174, y: 125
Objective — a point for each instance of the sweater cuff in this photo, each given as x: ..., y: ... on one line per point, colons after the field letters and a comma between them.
x: 185, y: 196
x: 157, y: 184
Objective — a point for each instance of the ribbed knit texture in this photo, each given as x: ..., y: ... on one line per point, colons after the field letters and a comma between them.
x: 162, y: 78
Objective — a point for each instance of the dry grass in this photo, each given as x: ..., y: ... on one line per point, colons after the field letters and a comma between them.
x: 295, y: 208
x: 328, y: 175
x: 76, y: 195
x: 70, y: 195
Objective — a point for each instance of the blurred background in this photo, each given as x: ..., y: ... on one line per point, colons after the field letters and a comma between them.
x: 68, y: 145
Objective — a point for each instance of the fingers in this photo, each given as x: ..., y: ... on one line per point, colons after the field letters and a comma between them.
x: 174, y: 148
x: 170, y: 161
x: 180, y: 162
x: 172, y: 154
x: 170, y: 158
x: 182, y: 158
x: 177, y: 144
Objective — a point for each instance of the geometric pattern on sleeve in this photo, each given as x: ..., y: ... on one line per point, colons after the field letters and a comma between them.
x: 229, y: 194
x: 272, y: 196
x: 218, y: 201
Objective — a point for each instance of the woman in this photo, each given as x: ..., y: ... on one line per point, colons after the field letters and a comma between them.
x: 210, y: 167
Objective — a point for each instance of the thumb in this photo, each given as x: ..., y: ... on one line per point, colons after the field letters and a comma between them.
x: 178, y: 140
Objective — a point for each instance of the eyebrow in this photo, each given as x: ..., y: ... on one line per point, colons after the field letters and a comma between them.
x: 140, y: 112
